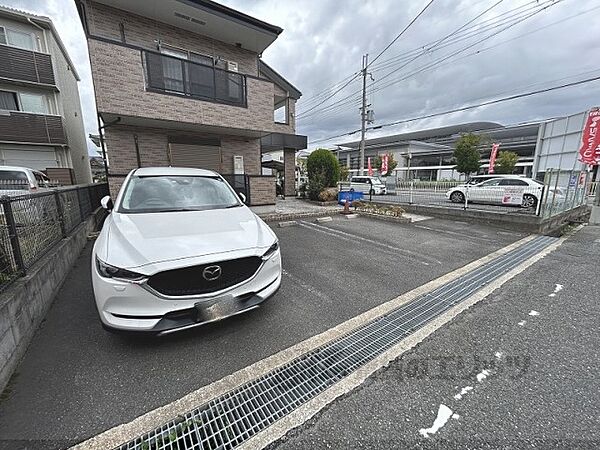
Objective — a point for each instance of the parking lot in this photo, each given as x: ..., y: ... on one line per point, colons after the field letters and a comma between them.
x: 78, y: 380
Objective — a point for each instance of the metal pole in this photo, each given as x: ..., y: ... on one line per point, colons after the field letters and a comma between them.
x: 12, y: 233
x: 466, y: 197
x: 61, y: 216
x: 363, y: 116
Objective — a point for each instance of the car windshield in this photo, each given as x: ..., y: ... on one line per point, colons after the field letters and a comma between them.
x: 376, y: 181
x: 149, y: 194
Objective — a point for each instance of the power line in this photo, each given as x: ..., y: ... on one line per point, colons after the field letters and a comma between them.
x: 467, y: 107
x: 346, y: 100
x: 329, y: 96
x: 423, y: 68
x: 402, y: 32
x: 468, y: 32
x: 380, y: 53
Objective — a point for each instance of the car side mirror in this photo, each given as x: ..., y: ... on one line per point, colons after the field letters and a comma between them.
x: 242, y: 196
x: 107, y: 203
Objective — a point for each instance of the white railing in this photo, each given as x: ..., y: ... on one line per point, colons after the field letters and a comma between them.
x: 592, y: 188
x: 427, y: 185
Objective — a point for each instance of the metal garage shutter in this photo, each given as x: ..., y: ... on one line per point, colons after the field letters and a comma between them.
x: 199, y: 156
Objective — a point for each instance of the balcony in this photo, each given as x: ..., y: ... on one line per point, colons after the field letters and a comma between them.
x: 170, y: 75
x: 32, y: 128
x: 26, y: 66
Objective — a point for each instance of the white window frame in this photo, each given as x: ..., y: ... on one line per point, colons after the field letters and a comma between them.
x: 32, y: 35
x: 45, y: 98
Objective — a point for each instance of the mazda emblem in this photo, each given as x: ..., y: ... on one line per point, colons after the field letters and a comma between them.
x: 211, y: 273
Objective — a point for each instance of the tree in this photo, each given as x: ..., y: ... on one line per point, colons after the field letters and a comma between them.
x: 323, y: 171
x: 323, y: 163
x: 506, y: 162
x: 466, y: 155
x: 392, y: 163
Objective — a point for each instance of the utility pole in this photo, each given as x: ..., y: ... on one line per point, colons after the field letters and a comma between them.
x: 363, y: 116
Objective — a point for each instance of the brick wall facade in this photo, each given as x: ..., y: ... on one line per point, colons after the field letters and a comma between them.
x: 104, y: 21
x: 262, y: 191
x: 289, y: 165
x: 153, y: 145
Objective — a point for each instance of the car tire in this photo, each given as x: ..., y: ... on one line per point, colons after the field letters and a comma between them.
x: 529, y: 201
x: 457, y: 197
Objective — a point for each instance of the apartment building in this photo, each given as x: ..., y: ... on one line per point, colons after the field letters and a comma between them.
x: 41, y: 126
x: 181, y: 83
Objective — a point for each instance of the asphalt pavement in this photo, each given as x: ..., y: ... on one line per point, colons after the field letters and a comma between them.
x: 518, y: 370
x: 78, y: 380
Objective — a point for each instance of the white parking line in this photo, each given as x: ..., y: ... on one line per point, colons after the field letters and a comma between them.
x: 354, y: 237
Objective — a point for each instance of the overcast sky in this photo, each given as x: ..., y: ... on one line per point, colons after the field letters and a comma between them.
x: 324, y: 40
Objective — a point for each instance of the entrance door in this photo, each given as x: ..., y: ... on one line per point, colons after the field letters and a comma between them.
x: 197, y: 156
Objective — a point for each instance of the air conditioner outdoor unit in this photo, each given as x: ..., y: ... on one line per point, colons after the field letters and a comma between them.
x: 232, y: 66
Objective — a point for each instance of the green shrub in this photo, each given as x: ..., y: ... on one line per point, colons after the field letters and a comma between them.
x: 315, y: 185
x: 323, y: 164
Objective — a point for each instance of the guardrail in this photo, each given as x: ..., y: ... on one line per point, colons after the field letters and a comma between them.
x: 31, y: 224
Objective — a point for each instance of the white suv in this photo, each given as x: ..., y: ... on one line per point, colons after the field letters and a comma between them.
x: 368, y: 185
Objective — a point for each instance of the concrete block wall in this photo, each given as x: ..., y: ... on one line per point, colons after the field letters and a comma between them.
x: 25, y: 303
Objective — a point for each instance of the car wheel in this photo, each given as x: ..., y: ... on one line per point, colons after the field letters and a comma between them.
x: 457, y: 197
x: 529, y: 201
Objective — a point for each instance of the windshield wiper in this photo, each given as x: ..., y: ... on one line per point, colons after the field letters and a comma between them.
x: 175, y: 210
x: 233, y: 206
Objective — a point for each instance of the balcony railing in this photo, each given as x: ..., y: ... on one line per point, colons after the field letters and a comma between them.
x: 26, y: 65
x: 32, y: 128
x: 179, y: 76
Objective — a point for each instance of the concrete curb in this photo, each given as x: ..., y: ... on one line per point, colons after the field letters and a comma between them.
x: 303, y: 215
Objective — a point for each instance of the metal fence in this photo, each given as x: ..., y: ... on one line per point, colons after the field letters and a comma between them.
x: 566, y: 190
x: 560, y: 191
x: 31, y: 224
x: 240, y: 184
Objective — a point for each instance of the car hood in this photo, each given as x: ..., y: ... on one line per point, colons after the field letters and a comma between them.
x: 136, y: 240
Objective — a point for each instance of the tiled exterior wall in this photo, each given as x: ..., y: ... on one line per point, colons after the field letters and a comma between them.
x: 120, y: 89
x: 262, y: 190
x: 104, y: 21
x: 153, y: 148
x: 289, y: 164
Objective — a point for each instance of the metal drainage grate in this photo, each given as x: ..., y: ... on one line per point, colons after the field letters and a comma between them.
x: 231, y: 419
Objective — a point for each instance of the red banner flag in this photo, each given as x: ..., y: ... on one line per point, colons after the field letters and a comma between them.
x: 369, y: 167
x: 493, y: 157
x: 384, y: 165
x: 589, y: 152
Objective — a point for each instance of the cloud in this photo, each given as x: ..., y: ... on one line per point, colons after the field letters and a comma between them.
x: 323, y: 43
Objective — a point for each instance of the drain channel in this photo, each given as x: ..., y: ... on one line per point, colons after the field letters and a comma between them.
x: 229, y: 420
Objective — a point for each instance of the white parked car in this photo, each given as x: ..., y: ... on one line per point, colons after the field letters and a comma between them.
x: 178, y: 250
x: 368, y: 185
x: 21, y: 180
x: 494, y: 191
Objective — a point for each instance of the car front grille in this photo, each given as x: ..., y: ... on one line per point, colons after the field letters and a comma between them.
x: 191, y: 280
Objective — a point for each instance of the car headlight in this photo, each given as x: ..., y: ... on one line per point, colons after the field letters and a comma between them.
x: 108, y: 271
x: 272, y: 249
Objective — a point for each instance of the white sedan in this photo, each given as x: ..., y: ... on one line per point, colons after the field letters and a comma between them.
x: 178, y: 250
x: 500, y: 191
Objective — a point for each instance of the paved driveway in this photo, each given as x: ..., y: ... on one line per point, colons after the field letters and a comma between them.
x: 78, y: 380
